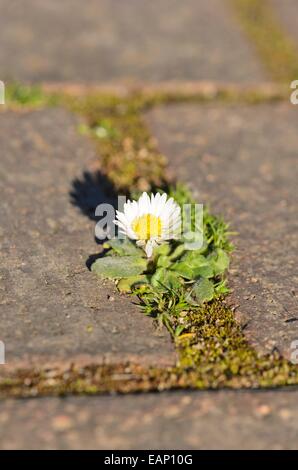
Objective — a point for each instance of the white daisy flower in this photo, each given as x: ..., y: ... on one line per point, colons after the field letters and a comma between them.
x: 150, y: 220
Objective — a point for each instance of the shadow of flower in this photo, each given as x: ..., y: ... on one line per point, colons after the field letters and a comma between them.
x: 88, y: 192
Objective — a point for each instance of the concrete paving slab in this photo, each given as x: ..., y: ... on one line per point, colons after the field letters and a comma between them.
x: 53, y: 309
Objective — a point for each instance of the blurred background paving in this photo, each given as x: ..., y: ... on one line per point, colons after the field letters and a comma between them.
x: 188, y: 420
x: 286, y: 10
x: 99, y: 40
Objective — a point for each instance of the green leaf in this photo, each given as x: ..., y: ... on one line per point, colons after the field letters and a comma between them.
x: 163, y: 262
x: 179, y: 330
x: 221, y: 262
x: 124, y: 247
x: 128, y: 283
x: 184, y: 269
x: 162, y: 250
x: 178, y: 252
x: 172, y: 281
x: 164, y: 279
x: 221, y: 288
x: 157, y: 277
x: 195, y: 259
x: 203, y: 271
x: 202, y: 291
x: 116, y: 267
x: 193, y: 265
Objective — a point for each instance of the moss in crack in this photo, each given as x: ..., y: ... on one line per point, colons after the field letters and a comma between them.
x: 29, y: 96
x: 215, y: 346
x: 129, y: 154
x: 214, y: 355
x: 277, y: 51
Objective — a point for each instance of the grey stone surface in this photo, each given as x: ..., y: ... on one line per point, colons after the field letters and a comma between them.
x: 52, y: 307
x: 287, y: 13
x: 115, y: 40
x: 243, y: 162
x: 198, y: 420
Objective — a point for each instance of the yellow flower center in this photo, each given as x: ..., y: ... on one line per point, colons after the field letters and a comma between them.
x: 147, y: 226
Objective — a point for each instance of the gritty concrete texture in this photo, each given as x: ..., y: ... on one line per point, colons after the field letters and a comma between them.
x: 52, y: 307
x: 287, y: 12
x: 243, y: 162
x: 204, y: 420
x: 122, y: 40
